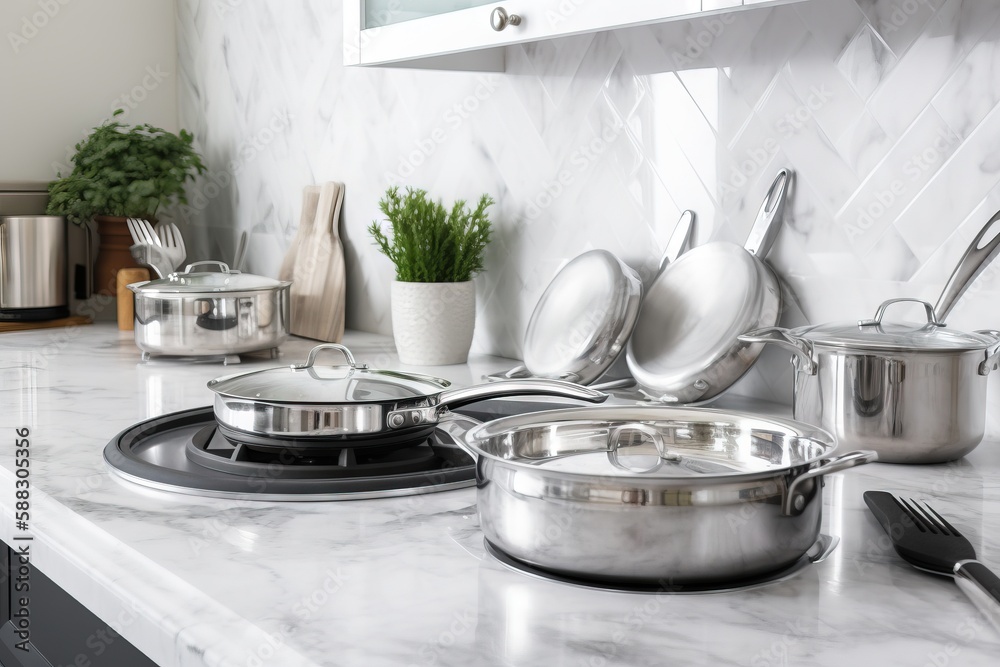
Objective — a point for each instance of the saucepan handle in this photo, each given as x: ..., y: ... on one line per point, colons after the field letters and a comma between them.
x: 972, y: 264
x: 795, y: 500
x: 800, y: 347
x: 992, y: 352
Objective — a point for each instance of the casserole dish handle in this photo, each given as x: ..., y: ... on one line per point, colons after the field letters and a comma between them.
x: 795, y: 499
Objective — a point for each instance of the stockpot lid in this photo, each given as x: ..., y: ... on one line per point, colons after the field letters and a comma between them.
x: 879, y: 335
x: 651, y: 442
x: 310, y: 383
x: 201, y: 282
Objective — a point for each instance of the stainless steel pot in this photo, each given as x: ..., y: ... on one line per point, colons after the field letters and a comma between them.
x: 642, y: 493
x: 308, y: 407
x: 202, y: 313
x: 915, y: 393
x: 685, y: 346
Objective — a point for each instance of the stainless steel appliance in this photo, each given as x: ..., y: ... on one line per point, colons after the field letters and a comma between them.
x: 33, y: 267
x: 29, y: 199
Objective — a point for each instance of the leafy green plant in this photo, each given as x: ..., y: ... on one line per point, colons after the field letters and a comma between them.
x: 430, y: 244
x: 125, y: 171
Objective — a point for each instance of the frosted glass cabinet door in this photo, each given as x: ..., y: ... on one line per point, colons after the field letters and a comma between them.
x: 382, y: 32
x: 385, y: 12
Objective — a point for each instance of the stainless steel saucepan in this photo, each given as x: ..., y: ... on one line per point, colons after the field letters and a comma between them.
x: 308, y: 406
x: 650, y: 493
x: 199, y: 312
x: 685, y: 346
x: 913, y: 392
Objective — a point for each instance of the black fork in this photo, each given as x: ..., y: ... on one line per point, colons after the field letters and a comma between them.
x: 929, y: 542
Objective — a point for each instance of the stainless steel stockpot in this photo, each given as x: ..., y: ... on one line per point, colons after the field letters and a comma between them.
x: 644, y: 493
x: 913, y: 392
x: 308, y: 407
x: 202, y: 313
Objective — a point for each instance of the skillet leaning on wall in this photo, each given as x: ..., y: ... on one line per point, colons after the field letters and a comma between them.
x: 685, y: 346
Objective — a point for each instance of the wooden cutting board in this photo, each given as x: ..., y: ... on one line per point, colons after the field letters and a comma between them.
x: 315, y: 265
x: 72, y: 321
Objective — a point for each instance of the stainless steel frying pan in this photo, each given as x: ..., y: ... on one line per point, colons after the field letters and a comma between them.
x: 685, y: 347
x: 309, y: 406
x: 586, y: 315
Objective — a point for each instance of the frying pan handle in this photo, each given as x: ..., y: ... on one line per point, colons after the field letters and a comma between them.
x: 972, y: 264
x: 768, y: 223
x: 680, y: 240
x: 456, y: 398
x: 313, y: 353
x: 795, y: 499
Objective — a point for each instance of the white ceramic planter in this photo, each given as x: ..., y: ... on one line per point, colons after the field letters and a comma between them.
x: 433, y: 323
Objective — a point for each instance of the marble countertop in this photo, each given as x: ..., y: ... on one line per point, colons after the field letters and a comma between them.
x: 195, y: 581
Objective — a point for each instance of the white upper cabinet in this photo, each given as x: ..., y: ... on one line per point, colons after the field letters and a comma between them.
x: 467, y: 34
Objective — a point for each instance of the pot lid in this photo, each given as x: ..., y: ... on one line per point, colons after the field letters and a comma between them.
x: 310, y: 383
x: 878, y: 334
x: 199, y: 282
x: 652, y: 442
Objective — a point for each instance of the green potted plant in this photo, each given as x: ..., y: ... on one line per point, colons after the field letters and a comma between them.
x: 123, y: 172
x: 436, y: 253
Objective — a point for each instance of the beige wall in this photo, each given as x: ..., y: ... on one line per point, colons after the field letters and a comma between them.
x: 66, y: 64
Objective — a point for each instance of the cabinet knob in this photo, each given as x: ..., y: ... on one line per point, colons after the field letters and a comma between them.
x: 500, y: 19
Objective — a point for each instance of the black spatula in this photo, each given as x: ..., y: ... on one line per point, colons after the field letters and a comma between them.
x: 923, y: 538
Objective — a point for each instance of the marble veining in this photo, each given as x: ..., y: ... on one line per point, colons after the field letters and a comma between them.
x: 886, y: 109
x: 195, y: 582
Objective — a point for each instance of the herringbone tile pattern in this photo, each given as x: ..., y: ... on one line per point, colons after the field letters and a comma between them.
x: 887, y: 110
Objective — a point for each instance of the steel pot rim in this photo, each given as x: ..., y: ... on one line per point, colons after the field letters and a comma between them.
x: 603, y: 415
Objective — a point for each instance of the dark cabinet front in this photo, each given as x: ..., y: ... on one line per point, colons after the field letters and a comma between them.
x: 60, y: 631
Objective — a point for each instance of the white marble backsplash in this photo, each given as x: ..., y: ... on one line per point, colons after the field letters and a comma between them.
x: 886, y: 109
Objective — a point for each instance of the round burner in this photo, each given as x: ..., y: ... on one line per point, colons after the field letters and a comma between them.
x: 211, y: 449
x: 824, y: 546
x: 183, y: 452
x: 327, y: 447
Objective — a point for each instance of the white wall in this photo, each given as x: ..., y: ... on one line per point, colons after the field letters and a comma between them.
x: 66, y: 64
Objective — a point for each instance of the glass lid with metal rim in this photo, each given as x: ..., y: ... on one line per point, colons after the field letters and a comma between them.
x: 223, y: 280
x: 309, y: 383
x: 880, y: 335
x: 652, y: 442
